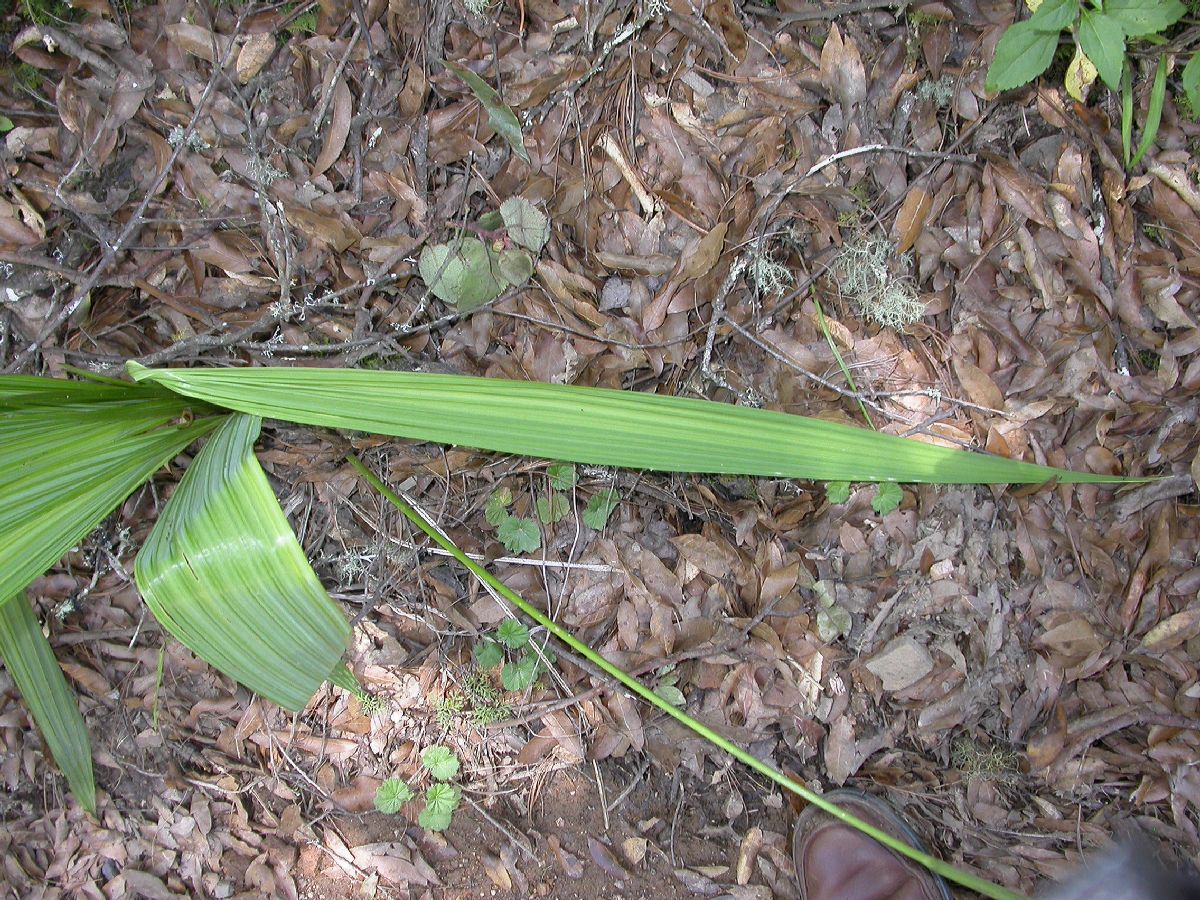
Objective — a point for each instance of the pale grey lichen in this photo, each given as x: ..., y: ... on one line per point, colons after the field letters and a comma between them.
x: 195, y: 143
x: 939, y: 92
x: 263, y: 172
x: 863, y: 273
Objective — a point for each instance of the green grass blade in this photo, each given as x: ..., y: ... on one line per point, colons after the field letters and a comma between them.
x: 966, y: 879
x: 594, y: 425
x: 30, y: 661
x: 1158, y: 96
x: 68, y: 457
x: 837, y: 355
x: 1126, y: 113
x: 223, y: 572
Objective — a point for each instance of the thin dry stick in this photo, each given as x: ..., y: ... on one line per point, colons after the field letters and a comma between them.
x: 887, y: 148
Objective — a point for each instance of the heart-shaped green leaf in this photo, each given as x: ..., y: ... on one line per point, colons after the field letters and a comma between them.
x: 464, y: 273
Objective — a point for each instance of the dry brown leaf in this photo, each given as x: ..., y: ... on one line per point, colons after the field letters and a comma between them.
x: 702, y: 254
x: 334, y: 229
x: 358, y: 796
x: 605, y: 859
x: 842, y: 69
x: 634, y: 849
x: 910, y: 219
x: 341, y: 110
x: 841, y: 756
x: 254, y: 55
x: 903, y: 662
x: 1073, y: 638
x: 196, y: 40
x: 979, y: 386
x: 571, y: 865
x: 1173, y: 631
x: 751, y: 846
x: 722, y: 14
x: 392, y: 860
x: 625, y: 715
x: 497, y: 872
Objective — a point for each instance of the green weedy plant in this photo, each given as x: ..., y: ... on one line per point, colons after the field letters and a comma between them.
x: 441, y: 798
x: 1099, y: 30
x: 468, y: 272
x: 523, y: 663
x: 888, y: 495
x: 223, y: 572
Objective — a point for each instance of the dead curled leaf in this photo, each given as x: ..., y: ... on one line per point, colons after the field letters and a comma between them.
x: 702, y: 255
x: 341, y: 109
x: 1173, y: 631
x: 910, y: 218
x: 254, y: 55
x: 605, y: 859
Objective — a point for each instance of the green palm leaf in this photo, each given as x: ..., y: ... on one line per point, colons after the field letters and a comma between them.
x: 71, y: 452
x: 223, y: 572
x: 30, y: 661
x: 594, y: 425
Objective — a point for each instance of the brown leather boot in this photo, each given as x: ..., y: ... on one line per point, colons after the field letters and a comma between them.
x: 836, y: 862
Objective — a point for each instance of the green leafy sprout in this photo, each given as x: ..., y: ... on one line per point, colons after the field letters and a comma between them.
x: 888, y: 495
x: 441, y: 799
x: 1100, y: 31
x: 469, y: 271
x: 521, y: 534
x: 440, y: 761
x: 526, y: 662
x: 392, y: 794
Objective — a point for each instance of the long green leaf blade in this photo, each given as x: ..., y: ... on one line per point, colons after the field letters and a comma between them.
x: 30, y: 661
x: 594, y: 425
x: 1158, y: 96
x: 223, y: 572
x: 70, y: 453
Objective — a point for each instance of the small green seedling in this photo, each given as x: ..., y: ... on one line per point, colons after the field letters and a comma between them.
x: 888, y: 495
x: 833, y: 621
x: 500, y: 115
x: 668, y: 687
x: 392, y: 794
x: 553, y: 508
x: 441, y: 799
x: 488, y: 654
x: 837, y: 492
x: 1100, y: 30
x: 496, y: 509
x: 562, y: 476
x: 519, y: 535
x: 599, y: 508
x: 525, y: 663
x: 369, y: 703
x: 512, y: 634
x: 440, y: 761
